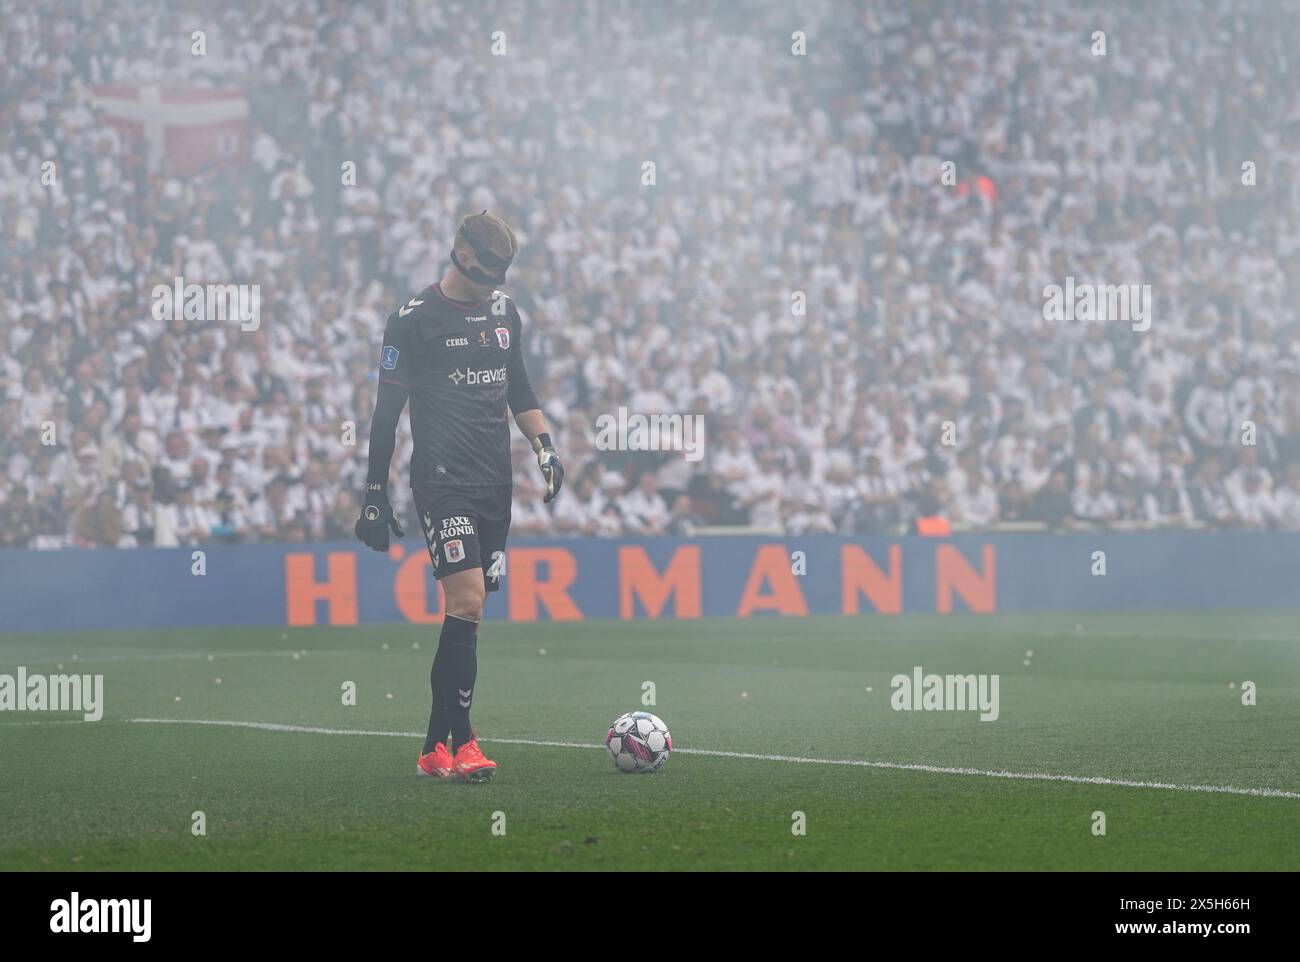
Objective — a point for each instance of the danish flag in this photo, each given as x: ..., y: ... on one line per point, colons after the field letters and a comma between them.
x: 194, y: 128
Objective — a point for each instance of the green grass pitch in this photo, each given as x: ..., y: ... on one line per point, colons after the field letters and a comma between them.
x: 1150, y: 697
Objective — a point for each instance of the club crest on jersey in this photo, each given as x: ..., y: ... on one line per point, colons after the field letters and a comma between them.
x: 388, y: 360
x: 455, y: 551
x: 503, y: 338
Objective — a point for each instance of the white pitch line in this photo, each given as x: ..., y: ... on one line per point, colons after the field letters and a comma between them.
x: 851, y: 762
x: 272, y: 727
x: 45, y: 659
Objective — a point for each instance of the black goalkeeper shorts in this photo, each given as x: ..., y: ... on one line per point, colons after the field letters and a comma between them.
x: 465, y: 528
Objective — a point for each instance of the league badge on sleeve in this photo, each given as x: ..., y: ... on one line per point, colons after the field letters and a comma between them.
x: 503, y: 338
x: 388, y: 360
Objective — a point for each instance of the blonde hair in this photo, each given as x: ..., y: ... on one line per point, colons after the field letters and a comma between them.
x: 490, y: 232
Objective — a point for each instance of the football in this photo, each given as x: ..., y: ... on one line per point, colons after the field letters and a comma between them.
x: 639, y: 742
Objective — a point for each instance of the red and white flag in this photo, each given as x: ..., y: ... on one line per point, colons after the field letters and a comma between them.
x: 194, y: 128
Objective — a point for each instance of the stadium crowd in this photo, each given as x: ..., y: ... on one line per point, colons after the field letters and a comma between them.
x: 865, y: 337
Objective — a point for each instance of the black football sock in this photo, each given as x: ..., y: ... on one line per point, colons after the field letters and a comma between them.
x: 438, y: 723
x: 459, y: 638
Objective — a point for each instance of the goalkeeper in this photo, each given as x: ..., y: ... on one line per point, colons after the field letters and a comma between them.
x: 455, y: 351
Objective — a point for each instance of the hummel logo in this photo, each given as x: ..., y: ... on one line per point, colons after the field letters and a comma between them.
x: 411, y: 305
x: 456, y: 376
x: 464, y: 696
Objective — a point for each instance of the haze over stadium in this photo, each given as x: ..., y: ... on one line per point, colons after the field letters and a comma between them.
x: 922, y: 380
x: 774, y: 174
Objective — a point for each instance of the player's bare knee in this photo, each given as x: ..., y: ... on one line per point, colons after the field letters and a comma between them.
x: 466, y: 606
x: 465, y: 600
x: 469, y: 612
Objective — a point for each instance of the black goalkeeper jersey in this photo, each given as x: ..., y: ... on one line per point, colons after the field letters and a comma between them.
x: 461, y: 365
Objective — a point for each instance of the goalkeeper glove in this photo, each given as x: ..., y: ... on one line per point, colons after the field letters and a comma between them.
x: 376, y: 518
x: 552, y: 468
